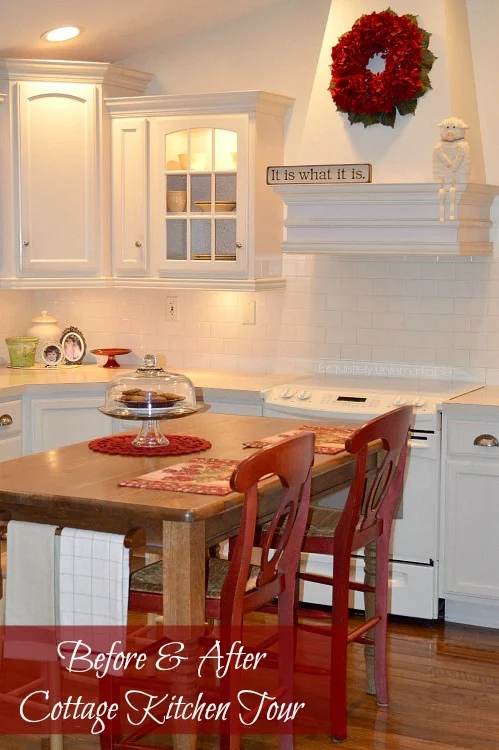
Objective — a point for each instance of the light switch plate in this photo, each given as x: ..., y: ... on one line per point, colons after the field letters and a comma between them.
x: 249, y: 312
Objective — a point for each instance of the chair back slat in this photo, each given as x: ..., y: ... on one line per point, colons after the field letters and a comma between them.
x: 368, y: 503
x: 291, y: 461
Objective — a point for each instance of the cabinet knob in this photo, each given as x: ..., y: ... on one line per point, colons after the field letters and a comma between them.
x: 26, y: 243
x: 138, y: 243
x: 239, y: 244
x: 486, y: 441
x: 5, y: 420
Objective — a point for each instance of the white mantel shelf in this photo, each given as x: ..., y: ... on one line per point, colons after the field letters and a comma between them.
x: 386, y: 219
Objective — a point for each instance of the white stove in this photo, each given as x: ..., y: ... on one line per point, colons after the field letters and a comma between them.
x: 414, y: 550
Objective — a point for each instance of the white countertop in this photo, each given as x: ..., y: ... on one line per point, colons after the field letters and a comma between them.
x: 15, y: 382
x: 487, y: 396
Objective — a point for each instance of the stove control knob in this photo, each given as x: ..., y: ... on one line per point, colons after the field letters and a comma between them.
x: 400, y: 401
x: 304, y: 395
x: 286, y: 393
x: 419, y: 401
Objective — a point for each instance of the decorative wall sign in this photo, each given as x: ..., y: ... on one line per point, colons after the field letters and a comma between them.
x: 322, y: 174
x: 373, y: 97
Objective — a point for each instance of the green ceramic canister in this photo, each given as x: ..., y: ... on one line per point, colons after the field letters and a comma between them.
x: 22, y: 350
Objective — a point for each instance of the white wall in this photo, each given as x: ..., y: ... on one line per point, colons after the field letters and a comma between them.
x: 432, y: 312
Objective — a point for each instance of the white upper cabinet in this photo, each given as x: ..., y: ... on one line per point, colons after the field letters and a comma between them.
x: 59, y: 179
x: 190, y: 199
x: 55, y: 179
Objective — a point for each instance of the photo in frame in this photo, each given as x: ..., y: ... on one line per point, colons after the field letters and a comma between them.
x: 52, y: 354
x: 73, y: 346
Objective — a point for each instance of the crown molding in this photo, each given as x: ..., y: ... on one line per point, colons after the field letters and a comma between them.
x: 73, y: 71
x: 191, y: 104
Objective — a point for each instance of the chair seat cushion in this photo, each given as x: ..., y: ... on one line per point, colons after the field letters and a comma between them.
x: 322, y: 522
x: 149, y: 580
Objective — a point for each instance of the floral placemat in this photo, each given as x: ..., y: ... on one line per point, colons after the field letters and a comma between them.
x: 327, y: 439
x: 201, y: 476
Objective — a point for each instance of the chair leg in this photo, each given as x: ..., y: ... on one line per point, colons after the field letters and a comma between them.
x: 230, y: 686
x: 380, y: 654
x: 370, y: 611
x: 109, y: 692
x: 339, y: 634
x: 287, y: 645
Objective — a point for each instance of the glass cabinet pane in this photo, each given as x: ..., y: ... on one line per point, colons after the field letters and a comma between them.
x: 200, y: 192
x: 225, y: 239
x: 176, y: 239
x: 225, y: 149
x: 176, y: 143
x: 176, y: 193
x: 226, y: 187
x: 201, y: 239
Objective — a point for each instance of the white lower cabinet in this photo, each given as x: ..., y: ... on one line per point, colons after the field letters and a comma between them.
x: 10, y: 429
x: 470, y: 520
x: 58, y: 420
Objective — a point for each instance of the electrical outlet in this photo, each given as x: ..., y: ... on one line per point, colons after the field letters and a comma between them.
x: 172, y: 308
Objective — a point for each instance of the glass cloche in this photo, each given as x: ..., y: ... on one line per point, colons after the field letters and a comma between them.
x: 150, y: 394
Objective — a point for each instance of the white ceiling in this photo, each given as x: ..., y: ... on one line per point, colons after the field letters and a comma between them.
x: 113, y: 29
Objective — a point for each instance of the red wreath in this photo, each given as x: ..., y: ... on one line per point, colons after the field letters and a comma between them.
x: 372, y: 98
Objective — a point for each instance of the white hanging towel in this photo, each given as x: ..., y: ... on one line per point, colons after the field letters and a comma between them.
x: 93, y: 578
x: 30, y: 596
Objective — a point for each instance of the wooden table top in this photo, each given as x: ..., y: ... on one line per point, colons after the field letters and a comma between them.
x: 76, y: 479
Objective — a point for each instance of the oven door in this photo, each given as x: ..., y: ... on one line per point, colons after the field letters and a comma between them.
x: 414, y: 566
x: 415, y: 530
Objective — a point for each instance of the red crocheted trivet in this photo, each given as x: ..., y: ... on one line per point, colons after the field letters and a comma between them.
x: 122, y: 445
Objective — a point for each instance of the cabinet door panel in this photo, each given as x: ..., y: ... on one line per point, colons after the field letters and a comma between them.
x: 130, y: 236
x: 472, y: 529
x: 56, y: 422
x: 58, y: 178
x: 199, y: 196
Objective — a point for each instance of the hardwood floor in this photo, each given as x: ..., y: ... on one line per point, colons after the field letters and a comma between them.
x: 444, y: 688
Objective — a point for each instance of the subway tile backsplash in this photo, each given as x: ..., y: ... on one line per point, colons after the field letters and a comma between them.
x: 421, y: 311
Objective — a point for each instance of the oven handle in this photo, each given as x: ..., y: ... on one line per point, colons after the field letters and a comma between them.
x: 419, y: 444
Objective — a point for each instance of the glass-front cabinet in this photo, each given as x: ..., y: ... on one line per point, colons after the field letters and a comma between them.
x: 190, y: 199
x: 198, y: 198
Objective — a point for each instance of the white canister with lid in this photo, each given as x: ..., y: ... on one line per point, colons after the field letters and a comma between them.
x: 46, y: 330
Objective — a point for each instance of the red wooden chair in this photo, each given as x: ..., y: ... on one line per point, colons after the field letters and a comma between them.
x: 235, y: 587
x: 365, y: 521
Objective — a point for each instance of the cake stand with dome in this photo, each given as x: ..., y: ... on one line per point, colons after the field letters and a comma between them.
x: 150, y: 395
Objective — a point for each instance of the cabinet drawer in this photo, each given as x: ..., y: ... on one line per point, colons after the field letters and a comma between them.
x: 11, y: 447
x: 12, y: 409
x: 462, y: 434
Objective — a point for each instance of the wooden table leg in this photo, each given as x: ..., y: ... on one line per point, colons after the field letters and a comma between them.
x: 184, y: 592
x: 370, y: 604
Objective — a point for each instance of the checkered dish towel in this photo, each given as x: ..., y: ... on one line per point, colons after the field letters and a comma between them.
x: 93, y: 578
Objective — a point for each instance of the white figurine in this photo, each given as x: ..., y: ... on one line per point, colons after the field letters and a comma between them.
x: 451, y: 155
x: 451, y: 162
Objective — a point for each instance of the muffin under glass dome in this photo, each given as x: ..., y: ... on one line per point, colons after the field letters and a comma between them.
x: 150, y: 394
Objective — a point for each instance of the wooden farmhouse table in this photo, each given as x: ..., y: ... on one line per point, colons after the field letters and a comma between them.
x: 77, y: 487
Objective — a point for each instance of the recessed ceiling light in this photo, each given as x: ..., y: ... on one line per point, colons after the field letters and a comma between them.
x: 61, y: 34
